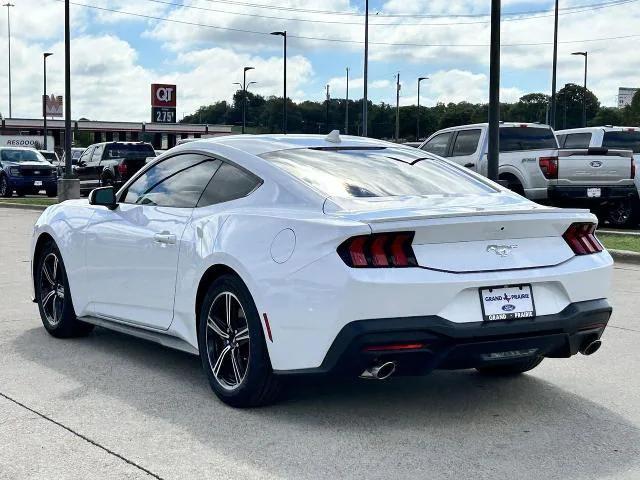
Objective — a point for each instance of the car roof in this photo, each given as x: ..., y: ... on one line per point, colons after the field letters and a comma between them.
x: 6, y: 147
x: 604, y: 128
x: 261, y: 144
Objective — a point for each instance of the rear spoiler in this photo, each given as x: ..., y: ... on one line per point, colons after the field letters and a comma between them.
x: 601, y: 151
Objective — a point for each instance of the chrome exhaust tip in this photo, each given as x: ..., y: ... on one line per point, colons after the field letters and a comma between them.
x: 589, y: 348
x: 379, y: 371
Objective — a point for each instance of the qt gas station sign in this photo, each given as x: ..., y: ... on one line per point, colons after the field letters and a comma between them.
x: 163, y: 103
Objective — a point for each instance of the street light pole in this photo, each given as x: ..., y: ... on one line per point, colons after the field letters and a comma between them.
x: 584, y: 92
x: 9, y: 5
x: 244, y: 97
x: 346, y: 107
x: 494, y: 93
x: 418, y: 114
x: 365, y: 105
x: 44, y: 97
x: 283, y: 34
x: 327, y: 112
x: 398, y: 107
x: 554, y: 73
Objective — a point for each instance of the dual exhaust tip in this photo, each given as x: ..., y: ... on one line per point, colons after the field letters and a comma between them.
x: 379, y: 371
x: 590, y: 347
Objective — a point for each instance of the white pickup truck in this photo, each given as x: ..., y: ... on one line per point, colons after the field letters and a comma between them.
x: 532, y: 164
x: 606, y: 137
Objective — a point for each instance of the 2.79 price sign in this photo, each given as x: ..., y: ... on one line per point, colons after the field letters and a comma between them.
x: 163, y: 103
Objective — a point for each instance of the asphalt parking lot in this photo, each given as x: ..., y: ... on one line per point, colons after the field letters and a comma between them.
x: 110, y: 406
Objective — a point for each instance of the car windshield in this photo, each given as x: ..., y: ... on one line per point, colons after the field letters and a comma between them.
x: 375, y: 172
x: 526, y: 138
x: 51, y: 156
x: 130, y: 150
x: 629, y: 140
x: 20, y: 156
x: 76, y: 154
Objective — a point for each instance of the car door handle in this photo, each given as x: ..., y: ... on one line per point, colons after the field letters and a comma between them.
x: 165, y: 237
x: 469, y: 165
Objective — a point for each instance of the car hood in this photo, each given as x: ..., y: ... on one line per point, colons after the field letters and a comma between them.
x: 28, y: 164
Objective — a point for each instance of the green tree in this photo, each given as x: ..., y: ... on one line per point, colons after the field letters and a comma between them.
x: 569, y: 101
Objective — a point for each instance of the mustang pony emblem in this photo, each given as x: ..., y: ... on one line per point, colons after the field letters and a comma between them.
x: 501, y: 250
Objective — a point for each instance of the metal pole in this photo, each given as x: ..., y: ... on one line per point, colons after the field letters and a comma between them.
x: 555, y: 70
x: 365, y: 105
x: 398, y: 107
x: 284, y: 100
x: 44, y: 98
x: 327, y: 112
x: 346, y: 107
x: 9, y: 5
x: 68, y: 169
x: 244, y: 99
x: 584, y: 92
x: 418, y: 114
x: 494, y: 93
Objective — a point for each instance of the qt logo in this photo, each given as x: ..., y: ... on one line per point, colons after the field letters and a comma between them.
x: 165, y: 94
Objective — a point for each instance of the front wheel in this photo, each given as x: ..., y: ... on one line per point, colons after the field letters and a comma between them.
x: 232, y: 346
x: 54, y: 297
x: 5, y: 189
x: 512, y: 368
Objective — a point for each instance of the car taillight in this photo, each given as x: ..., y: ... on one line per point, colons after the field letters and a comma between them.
x: 580, y: 237
x: 122, y: 169
x: 633, y: 169
x: 549, y: 167
x: 380, y: 250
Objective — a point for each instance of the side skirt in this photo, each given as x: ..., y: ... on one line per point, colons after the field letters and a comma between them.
x: 161, y: 338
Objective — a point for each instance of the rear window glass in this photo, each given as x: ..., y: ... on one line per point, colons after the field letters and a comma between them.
x: 526, y: 138
x: 379, y: 172
x: 622, y: 141
x: 577, y: 140
x: 130, y: 150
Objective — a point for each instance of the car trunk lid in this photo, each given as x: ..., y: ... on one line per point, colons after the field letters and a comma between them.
x: 595, y: 166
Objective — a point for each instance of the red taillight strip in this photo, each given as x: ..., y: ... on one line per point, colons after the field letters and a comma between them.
x: 580, y: 237
x: 394, y: 347
x: 379, y: 250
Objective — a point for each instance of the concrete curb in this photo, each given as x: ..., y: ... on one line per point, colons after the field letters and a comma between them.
x: 625, y: 256
x: 23, y: 206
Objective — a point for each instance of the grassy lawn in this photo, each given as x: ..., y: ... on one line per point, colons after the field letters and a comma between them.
x: 46, y: 201
x: 620, y: 242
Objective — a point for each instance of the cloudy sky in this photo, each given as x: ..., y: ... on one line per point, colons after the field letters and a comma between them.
x: 116, y: 56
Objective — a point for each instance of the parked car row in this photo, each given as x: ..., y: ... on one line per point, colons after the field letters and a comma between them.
x: 591, y: 168
x: 26, y: 171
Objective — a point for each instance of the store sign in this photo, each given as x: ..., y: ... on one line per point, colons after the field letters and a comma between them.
x: 163, y: 103
x: 52, y: 106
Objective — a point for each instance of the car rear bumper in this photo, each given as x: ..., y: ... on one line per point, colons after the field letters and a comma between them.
x: 557, y: 192
x: 450, y: 345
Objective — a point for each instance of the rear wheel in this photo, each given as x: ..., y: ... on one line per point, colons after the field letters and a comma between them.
x: 232, y: 346
x: 54, y: 297
x: 511, y: 368
x: 513, y: 184
x: 618, y: 215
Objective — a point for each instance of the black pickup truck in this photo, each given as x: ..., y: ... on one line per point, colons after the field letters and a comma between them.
x: 111, y: 163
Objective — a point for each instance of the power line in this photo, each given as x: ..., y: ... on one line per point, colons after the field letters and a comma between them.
x: 343, y: 40
x: 574, y: 10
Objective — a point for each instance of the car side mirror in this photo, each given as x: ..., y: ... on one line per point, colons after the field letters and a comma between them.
x: 104, y: 196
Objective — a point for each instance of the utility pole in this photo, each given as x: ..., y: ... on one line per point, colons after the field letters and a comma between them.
x: 418, y: 114
x: 44, y: 97
x: 365, y: 104
x: 327, y: 112
x: 398, y: 107
x: 494, y: 93
x: 554, y: 70
x: 9, y: 5
x: 283, y: 34
x: 346, y: 107
x: 244, y: 97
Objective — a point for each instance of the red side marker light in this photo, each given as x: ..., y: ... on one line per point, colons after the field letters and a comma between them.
x: 268, y: 327
x: 394, y: 347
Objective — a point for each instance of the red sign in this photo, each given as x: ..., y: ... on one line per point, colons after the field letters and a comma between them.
x: 163, y: 95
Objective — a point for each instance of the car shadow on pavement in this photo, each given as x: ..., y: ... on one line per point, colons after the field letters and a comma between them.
x: 446, y: 425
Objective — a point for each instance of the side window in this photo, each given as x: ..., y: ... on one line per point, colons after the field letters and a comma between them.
x: 561, y: 139
x: 229, y: 183
x: 97, y: 154
x: 86, y: 155
x: 176, y: 182
x: 577, y: 140
x: 466, y: 143
x: 438, y: 144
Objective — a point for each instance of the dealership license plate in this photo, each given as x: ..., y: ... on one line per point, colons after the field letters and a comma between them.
x: 594, y: 192
x: 507, y: 303
x: 37, y: 183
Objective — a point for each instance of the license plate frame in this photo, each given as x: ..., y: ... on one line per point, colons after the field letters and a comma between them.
x: 37, y: 183
x: 594, y: 192
x: 513, y: 314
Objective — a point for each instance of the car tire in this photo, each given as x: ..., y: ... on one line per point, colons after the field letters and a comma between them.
x: 619, y: 215
x: 229, y: 326
x: 54, y: 297
x: 511, y: 368
x: 106, y: 181
x: 5, y: 188
x: 51, y: 193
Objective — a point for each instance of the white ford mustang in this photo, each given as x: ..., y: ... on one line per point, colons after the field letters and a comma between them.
x: 271, y: 256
